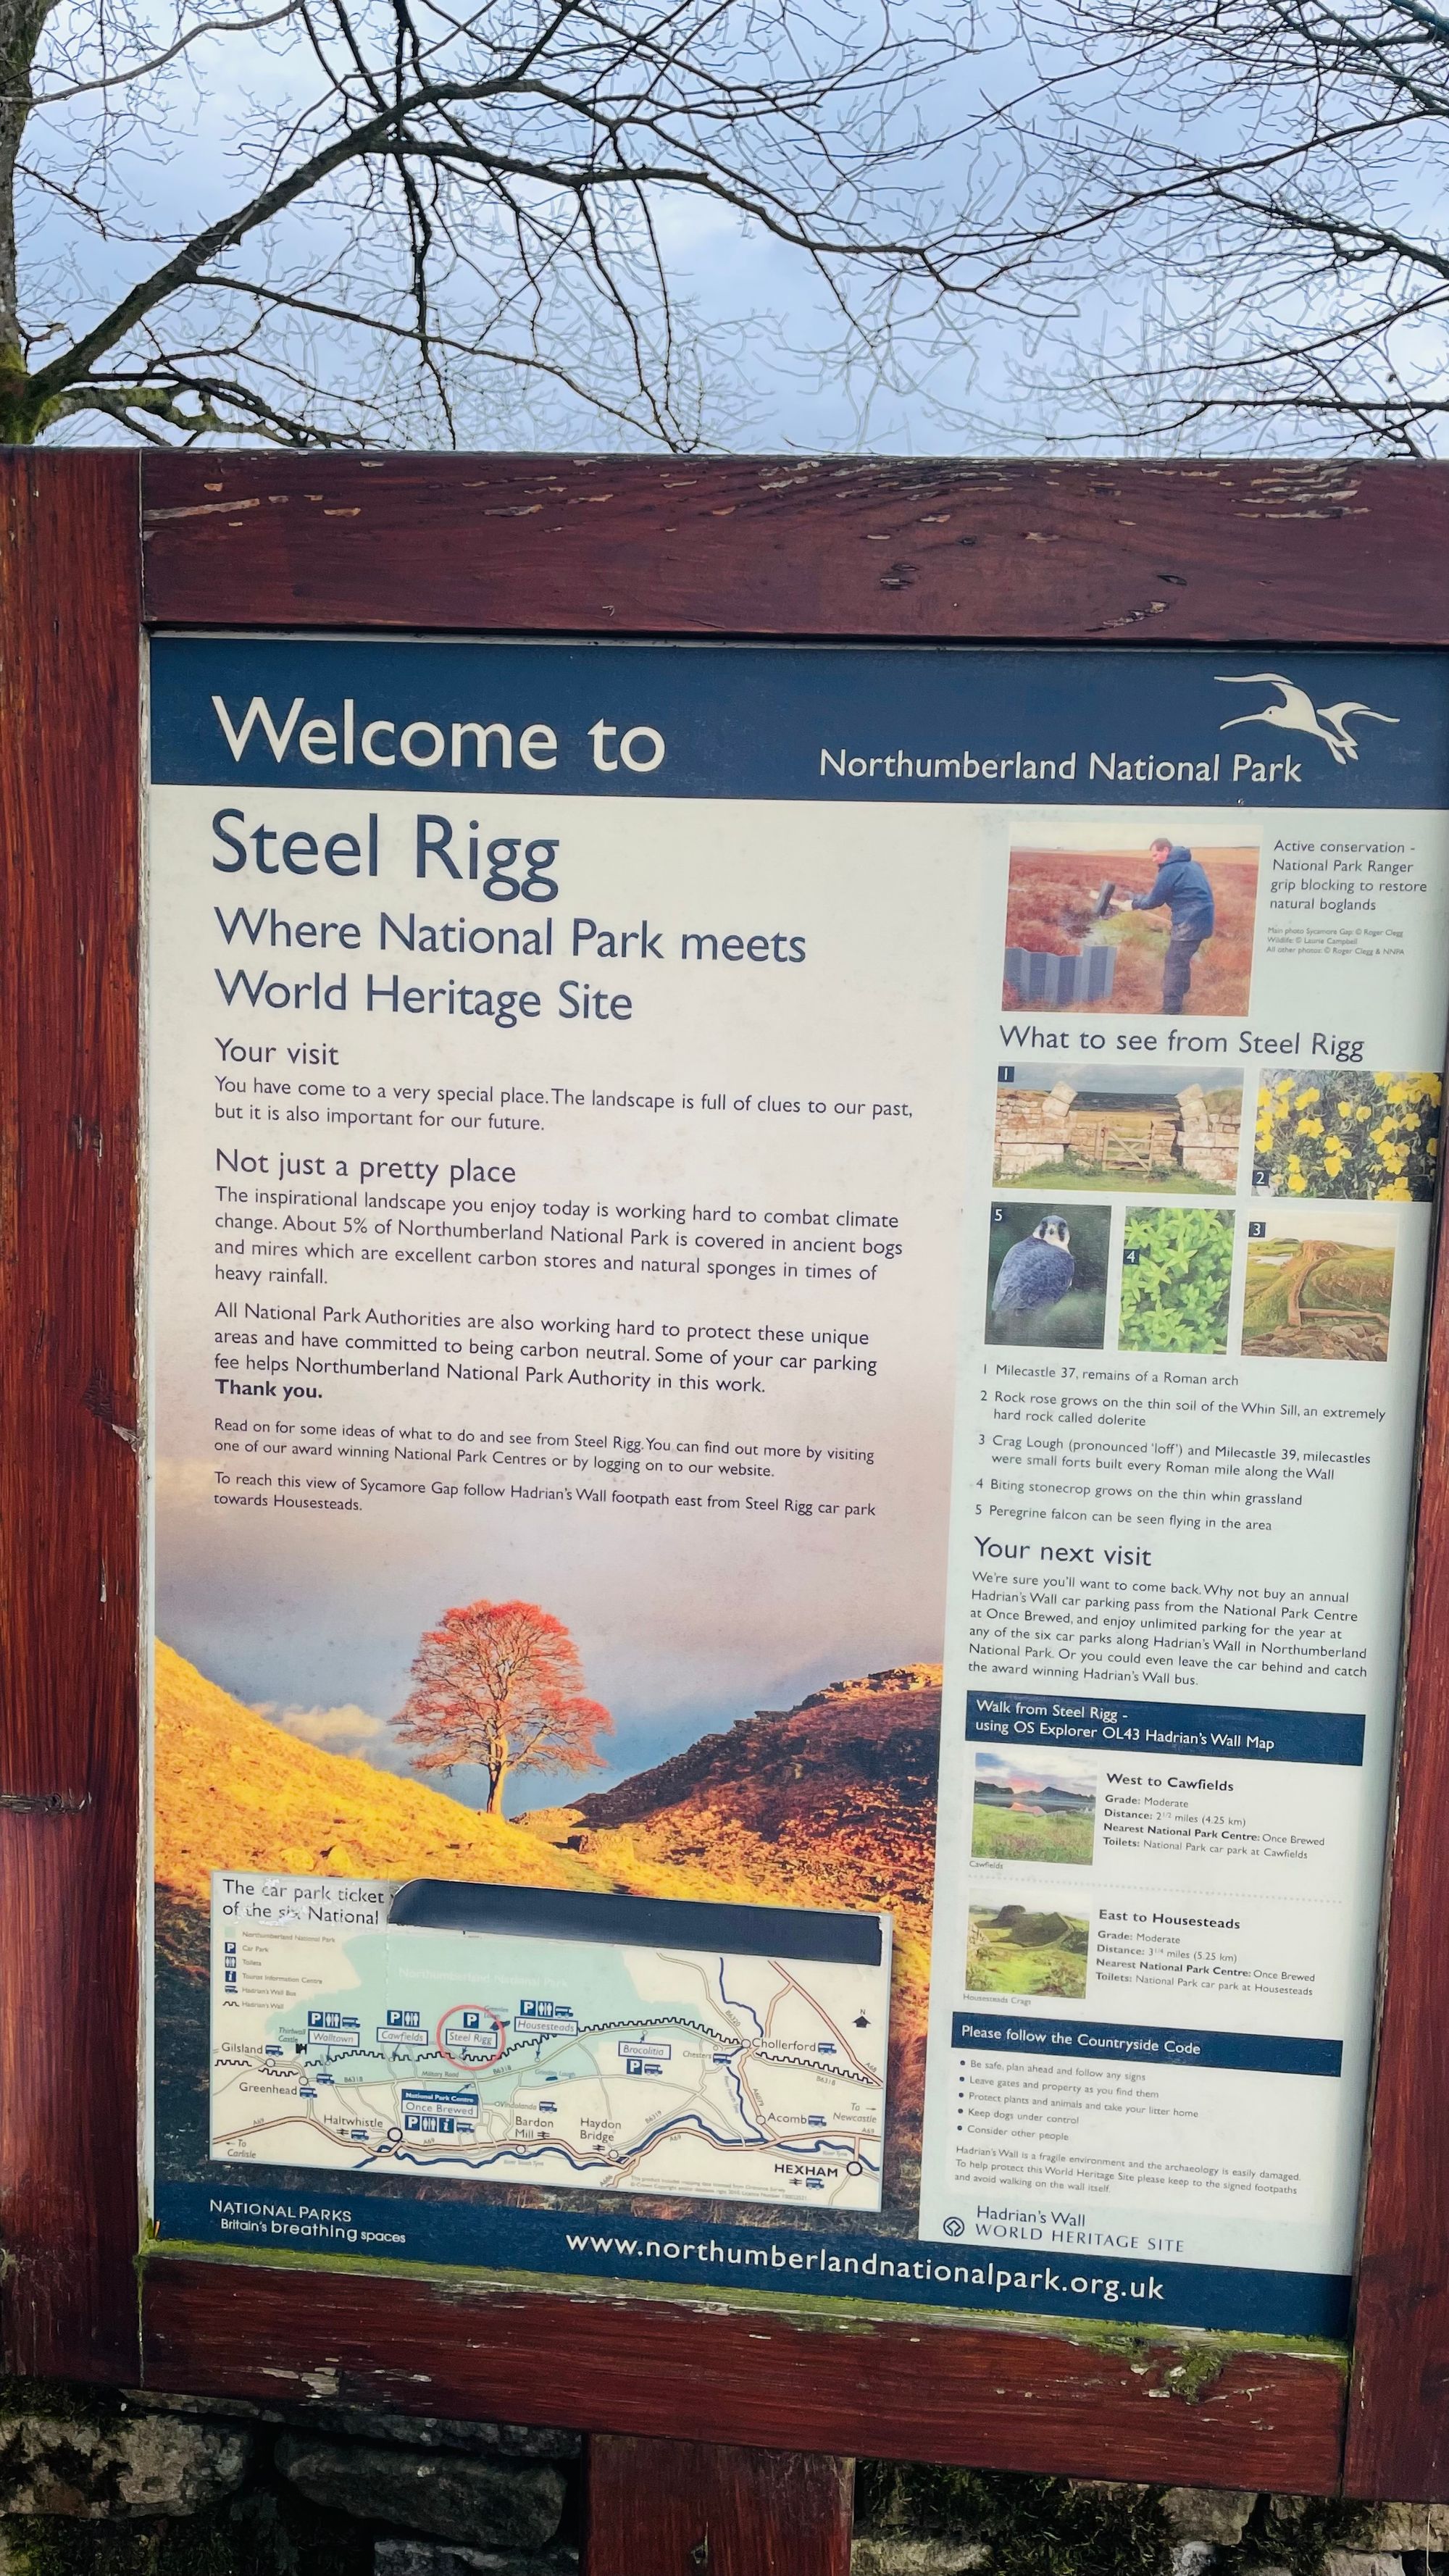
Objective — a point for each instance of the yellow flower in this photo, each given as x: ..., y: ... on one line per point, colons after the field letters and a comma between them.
x: 1396, y: 1092
x: 1297, y: 1183
x: 1305, y: 1099
x: 1345, y: 1108
x: 1362, y: 1114
x: 1310, y: 1127
x: 1395, y: 1190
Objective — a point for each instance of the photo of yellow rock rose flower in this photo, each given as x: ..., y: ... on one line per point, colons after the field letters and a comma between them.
x: 1347, y: 1135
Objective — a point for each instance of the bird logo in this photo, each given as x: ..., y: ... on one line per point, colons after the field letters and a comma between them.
x: 1037, y: 1272
x: 1297, y: 713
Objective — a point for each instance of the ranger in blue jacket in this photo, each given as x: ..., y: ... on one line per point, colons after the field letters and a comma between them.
x: 1187, y: 891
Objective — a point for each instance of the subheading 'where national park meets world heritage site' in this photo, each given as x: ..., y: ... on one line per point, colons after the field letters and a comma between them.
x: 787, y: 1290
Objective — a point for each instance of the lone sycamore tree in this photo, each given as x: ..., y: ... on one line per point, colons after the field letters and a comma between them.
x: 500, y: 1684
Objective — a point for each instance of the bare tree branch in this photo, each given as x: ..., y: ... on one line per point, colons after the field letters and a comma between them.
x: 1247, y: 199
x: 158, y: 63
x: 495, y: 184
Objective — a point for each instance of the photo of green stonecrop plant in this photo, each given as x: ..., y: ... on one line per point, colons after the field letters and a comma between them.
x: 1347, y: 1136
x: 1177, y: 1276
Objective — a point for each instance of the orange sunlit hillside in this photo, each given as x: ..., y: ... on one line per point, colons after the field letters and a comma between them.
x: 233, y: 1792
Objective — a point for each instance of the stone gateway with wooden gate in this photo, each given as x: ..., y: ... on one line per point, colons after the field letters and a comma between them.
x: 1192, y: 1131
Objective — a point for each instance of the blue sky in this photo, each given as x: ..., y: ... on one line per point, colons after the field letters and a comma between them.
x: 995, y: 375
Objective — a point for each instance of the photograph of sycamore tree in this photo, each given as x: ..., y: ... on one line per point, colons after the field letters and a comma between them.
x: 500, y: 1684
x: 828, y: 1802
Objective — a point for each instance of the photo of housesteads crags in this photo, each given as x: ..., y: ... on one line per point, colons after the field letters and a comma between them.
x: 1319, y: 1288
x: 1088, y: 1125
x: 1027, y: 1949
x: 1034, y: 1805
x: 1110, y: 920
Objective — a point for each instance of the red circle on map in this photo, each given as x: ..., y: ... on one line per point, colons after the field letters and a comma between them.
x: 469, y: 2064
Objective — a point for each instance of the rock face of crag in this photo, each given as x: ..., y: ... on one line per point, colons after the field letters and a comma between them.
x: 833, y: 1801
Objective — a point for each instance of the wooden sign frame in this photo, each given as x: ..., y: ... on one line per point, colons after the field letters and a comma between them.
x: 95, y: 548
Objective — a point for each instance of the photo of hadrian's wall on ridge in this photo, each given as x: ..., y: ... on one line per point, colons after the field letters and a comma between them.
x: 1088, y: 1125
x: 1079, y: 936
x: 1319, y: 1287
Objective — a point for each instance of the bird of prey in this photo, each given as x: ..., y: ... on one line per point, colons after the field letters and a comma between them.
x: 1036, y: 1272
x: 1298, y: 714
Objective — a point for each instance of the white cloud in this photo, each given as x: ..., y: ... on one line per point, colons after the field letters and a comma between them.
x: 348, y: 1729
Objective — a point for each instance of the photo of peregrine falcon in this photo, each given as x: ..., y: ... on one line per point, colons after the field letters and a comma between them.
x: 1037, y: 1272
x: 1046, y: 1275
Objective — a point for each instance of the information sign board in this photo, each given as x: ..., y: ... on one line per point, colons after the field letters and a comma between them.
x: 787, y: 1289
x: 742, y: 1360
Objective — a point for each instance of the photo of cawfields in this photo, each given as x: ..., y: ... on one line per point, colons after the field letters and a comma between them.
x: 1089, y: 1126
x: 1022, y: 1950
x: 1033, y: 1806
x: 1320, y: 1289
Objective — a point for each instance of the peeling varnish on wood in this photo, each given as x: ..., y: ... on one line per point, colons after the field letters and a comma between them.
x: 203, y: 509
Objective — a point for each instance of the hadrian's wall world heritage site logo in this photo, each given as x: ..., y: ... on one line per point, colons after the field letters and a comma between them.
x: 1296, y: 712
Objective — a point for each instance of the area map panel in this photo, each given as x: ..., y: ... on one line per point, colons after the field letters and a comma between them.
x: 342, y: 2039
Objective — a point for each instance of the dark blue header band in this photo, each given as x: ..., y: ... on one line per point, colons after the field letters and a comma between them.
x: 244, y: 2211
x: 1162, y: 1727
x: 941, y: 724
x: 1123, y: 2043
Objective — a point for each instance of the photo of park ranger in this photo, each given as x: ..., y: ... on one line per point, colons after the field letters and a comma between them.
x: 1100, y: 918
x: 1186, y: 890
